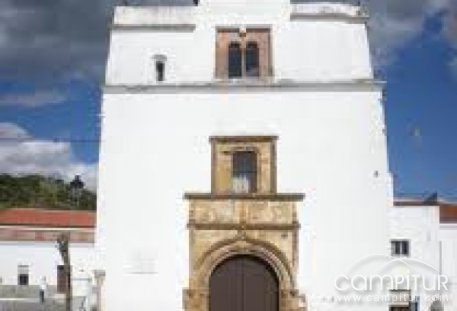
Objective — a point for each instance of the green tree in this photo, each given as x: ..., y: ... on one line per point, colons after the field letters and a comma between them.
x: 42, y: 192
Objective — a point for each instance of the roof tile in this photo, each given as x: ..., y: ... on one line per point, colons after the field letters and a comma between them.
x: 47, y: 218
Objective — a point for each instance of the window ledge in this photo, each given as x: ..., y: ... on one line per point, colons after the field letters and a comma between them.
x: 245, y: 196
x: 245, y: 80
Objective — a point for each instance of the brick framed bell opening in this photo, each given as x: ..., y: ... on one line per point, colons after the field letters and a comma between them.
x: 241, y: 227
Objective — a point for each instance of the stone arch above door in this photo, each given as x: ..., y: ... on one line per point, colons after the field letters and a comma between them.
x: 243, y: 245
x: 196, y: 297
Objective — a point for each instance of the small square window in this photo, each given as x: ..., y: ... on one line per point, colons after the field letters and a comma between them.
x: 400, y: 248
x: 159, y: 62
x: 160, y: 71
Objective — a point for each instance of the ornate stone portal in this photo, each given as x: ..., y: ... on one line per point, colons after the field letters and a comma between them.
x: 254, y: 221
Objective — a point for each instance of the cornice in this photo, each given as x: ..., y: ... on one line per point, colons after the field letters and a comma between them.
x: 246, y: 86
x: 154, y: 27
x: 339, y: 17
x: 239, y: 226
x: 242, y: 138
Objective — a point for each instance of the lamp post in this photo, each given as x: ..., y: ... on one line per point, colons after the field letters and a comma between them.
x: 76, y: 188
x: 63, y: 241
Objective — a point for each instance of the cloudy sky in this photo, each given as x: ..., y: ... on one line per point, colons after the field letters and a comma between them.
x: 52, y: 57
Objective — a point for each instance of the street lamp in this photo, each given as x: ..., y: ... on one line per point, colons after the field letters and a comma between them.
x: 63, y: 242
x: 76, y: 188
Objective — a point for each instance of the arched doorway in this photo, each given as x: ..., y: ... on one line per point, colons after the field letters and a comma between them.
x: 243, y: 283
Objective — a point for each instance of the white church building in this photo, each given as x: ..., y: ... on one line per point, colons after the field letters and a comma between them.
x: 243, y: 167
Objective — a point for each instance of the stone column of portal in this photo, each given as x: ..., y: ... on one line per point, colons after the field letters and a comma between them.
x: 99, y: 278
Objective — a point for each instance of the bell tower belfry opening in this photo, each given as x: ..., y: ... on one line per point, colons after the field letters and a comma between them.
x: 243, y: 235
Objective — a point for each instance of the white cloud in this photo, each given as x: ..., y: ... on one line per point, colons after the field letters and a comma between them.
x: 388, y: 34
x: 453, y: 67
x: 395, y: 22
x: 32, y: 99
x: 450, y: 24
x: 48, y: 158
x: 42, y: 38
x: 12, y: 131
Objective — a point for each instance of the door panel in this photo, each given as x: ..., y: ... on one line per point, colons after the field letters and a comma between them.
x: 243, y: 283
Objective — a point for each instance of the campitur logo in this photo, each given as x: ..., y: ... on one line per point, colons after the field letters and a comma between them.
x: 379, y: 274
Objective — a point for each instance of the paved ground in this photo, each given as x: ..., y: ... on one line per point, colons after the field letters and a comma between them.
x: 33, y: 305
x: 27, y: 305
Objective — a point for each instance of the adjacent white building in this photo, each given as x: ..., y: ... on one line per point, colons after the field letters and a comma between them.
x: 29, y: 257
x: 428, y: 230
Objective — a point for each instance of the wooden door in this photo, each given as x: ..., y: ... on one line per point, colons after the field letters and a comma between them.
x: 243, y: 283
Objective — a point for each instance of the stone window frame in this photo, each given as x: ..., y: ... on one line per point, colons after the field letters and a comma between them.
x: 248, y: 145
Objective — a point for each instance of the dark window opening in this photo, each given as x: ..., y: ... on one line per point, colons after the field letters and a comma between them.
x: 160, y: 71
x: 244, y: 177
x: 23, y: 275
x: 400, y: 248
x: 23, y: 279
x: 234, y: 61
x: 252, y: 60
